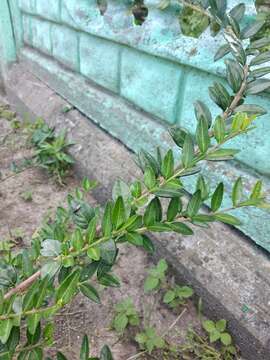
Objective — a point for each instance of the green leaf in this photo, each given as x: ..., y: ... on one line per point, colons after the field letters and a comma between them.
x: 251, y: 109
x: 159, y: 227
x: 237, y: 191
x: 148, y: 244
x: 90, y: 292
x: 260, y: 43
x: 149, y: 178
x: 227, y: 219
x: 209, y: 326
x: 50, y: 247
x: 222, y: 51
x: 94, y: 253
x: 5, y: 330
x: 135, y: 239
x: 28, y: 300
x: 89, y: 270
x: 202, y: 111
x: 136, y: 189
x: 257, y: 86
x: 106, y: 224
x: 214, y: 336
x: 153, y: 212
x: 120, y: 188
x: 173, y: 208
x: 120, y: 322
x: 220, y: 95
x: 84, y: 352
x: 167, y: 167
x: 91, y: 230
x: 169, y: 296
x: 217, y: 197
x: 202, y: 136
x: 60, y: 356
x: 188, y: 152
x: 252, y: 29
x: 109, y: 280
x: 260, y: 59
x: 185, y: 292
x: 106, y: 353
x: 68, y: 287
x: 203, y: 186
x: 33, y: 320
x: 238, y: 11
x: 257, y: 73
x: 118, y: 213
x: 77, y: 239
x: 219, y: 129
x: 222, y: 154
x: 194, y: 204
x: 108, y: 252
x: 181, y: 228
x: 34, y: 338
x: 178, y: 135
x: 133, y: 223
x: 234, y: 74
x: 221, y: 325
x: 257, y: 190
x: 226, y: 339
x: 50, y: 269
x: 151, y: 283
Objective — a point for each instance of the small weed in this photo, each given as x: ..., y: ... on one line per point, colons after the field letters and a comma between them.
x: 27, y: 196
x: 149, y: 340
x: 51, y: 150
x: 199, y: 347
x: 156, y: 276
x: 67, y: 108
x: 125, y: 314
x: 177, y: 295
x: 6, y: 113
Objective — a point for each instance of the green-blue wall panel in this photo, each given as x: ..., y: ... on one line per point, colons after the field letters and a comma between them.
x: 99, y: 60
x: 151, y: 83
x: 49, y: 9
x: 65, y: 46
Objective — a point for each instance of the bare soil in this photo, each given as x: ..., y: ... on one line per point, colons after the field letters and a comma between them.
x: 19, y: 219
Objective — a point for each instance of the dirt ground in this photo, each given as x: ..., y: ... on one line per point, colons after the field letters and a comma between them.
x: 20, y: 218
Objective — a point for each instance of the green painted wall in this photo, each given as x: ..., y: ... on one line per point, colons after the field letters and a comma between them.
x: 7, y: 41
x: 153, y: 68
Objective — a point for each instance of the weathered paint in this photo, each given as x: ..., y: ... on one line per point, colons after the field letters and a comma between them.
x: 148, y: 72
x: 7, y: 41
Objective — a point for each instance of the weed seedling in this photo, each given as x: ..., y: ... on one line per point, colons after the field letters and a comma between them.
x: 125, y: 315
x: 156, y: 276
x: 177, y: 296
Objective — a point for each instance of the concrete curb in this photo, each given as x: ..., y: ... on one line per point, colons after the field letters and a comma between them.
x: 224, y: 268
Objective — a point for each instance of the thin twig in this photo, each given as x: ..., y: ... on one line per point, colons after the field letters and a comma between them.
x: 23, y: 285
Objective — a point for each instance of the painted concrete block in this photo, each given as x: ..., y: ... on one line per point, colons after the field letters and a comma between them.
x: 49, y: 9
x: 65, y: 46
x: 40, y: 31
x: 151, y: 83
x: 82, y: 14
x: 27, y: 31
x: 99, y: 61
x: 28, y: 6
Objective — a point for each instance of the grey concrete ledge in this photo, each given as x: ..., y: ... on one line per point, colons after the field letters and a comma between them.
x: 224, y: 268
